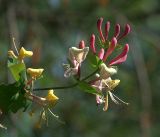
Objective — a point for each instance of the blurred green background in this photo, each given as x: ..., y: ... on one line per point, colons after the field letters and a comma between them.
x: 49, y: 28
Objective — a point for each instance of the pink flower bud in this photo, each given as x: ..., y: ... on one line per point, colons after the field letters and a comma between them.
x: 99, y: 26
x: 126, y: 31
x: 117, y: 30
x: 120, y: 58
x: 107, y: 27
x: 81, y: 44
x: 92, y: 43
x: 111, y: 48
x: 101, y: 54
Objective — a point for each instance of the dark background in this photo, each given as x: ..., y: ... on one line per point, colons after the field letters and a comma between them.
x: 49, y: 28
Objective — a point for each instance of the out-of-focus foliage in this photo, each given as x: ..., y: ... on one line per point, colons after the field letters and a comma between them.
x: 49, y: 28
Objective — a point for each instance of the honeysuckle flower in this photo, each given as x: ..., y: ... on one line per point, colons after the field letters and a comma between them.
x: 106, y: 72
x: 35, y: 73
x: 108, y: 86
x: 76, y: 57
x: 24, y: 53
x: 51, y: 99
x: 104, y: 82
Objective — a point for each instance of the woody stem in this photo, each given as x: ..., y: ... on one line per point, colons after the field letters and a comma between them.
x: 70, y: 86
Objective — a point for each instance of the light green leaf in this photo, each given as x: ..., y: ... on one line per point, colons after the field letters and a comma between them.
x: 16, y: 68
x: 87, y: 88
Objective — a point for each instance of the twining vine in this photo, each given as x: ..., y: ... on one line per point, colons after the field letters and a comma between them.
x: 102, y: 58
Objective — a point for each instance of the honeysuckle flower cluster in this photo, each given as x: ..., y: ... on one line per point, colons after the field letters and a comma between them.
x: 33, y: 74
x: 107, y: 69
x: 100, y: 54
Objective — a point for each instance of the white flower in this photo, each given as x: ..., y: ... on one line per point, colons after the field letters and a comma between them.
x: 76, y: 57
x: 106, y: 72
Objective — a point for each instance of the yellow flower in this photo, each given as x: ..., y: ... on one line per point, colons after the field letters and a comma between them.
x: 24, y: 53
x: 35, y: 72
x: 11, y: 54
x: 51, y: 98
x: 111, y: 84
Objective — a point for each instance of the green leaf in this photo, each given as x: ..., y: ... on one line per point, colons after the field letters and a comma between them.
x: 16, y: 67
x: 94, y: 60
x: 87, y: 88
x: 12, y: 97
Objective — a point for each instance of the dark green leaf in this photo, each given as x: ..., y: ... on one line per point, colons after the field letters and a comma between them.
x: 12, y: 97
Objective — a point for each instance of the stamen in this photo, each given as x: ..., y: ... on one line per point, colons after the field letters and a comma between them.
x: 105, y: 108
x: 120, y: 100
x: 112, y: 97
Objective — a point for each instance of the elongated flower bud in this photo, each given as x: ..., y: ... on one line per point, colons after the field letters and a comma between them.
x: 35, y: 72
x: 81, y: 44
x: 117, y: 30
x: 92, y: 43
x: 120, y: 58
x: 99, y: 26
x: 111, y: 48
x: 107, y: 27
x: 101, y: 54
x: 126, y: 31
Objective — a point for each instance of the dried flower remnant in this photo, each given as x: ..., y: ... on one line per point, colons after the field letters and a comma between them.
x: 24, y: 53
x: 11, y: 54
x: 51, y: 99
x: 35, y: 73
